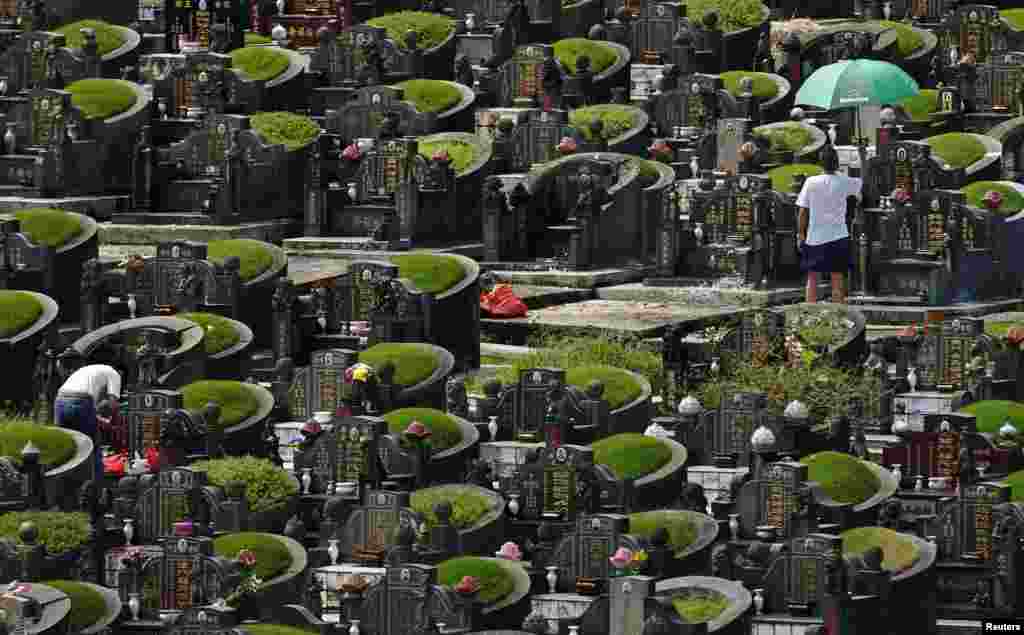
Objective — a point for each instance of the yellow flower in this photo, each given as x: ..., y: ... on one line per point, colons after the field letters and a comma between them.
x: 362, y: 373
x: 640, y: 556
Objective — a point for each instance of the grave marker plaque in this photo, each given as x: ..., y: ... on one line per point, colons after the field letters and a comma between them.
x: 730, y: 137
x: 327, y: 373
x: 976, y: 529
x: 356, y: 448
x: 298, y: 395
x: 561, y: 473
x: 597, y: 539
x: 532, y: 401
x: 738, y: 416
x: 144, y: 414
x: 806, y: 574
x: 367, y: 275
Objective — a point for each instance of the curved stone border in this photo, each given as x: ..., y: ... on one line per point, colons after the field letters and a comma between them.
x: 744, y: 40
x: 993, y: 153
x: 520, y: 584
x: 83, y: 452
x: 222, y: 365
x: 113, y: 603
x: 696, y: 557
x: 54, y: 610
x: 740, y: 599
x: 142, y: 103
x: 482, y: 151
x: 297, y: 63
x: 486, y: 534
x: 674, y: 464
x: 636, y: 411
x: 292, y: 574
x: 421, y: 392
x: 256, y: 295
x: 265, y: 405
x: 622, y: 59
x: 190, y: 333
x: 927, y: 552
x: 449, y: 465
x: 131, y: 40
x: 886, y: 489
x: 468, y: 98
x: 818, y: 137
x: 533, y: 179
x: 632, y: 141
x: 278, y: 266
x: 50, y: 312
x: 849, y: 349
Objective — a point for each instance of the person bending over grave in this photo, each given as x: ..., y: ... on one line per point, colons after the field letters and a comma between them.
x: 824, y: 236
x: 77, y: 398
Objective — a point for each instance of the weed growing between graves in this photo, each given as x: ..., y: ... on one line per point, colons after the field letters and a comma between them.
x: 56, y: 447
x: 48, y: 226
x: 495, y: 580
x: 255, y: 256
x: 957, y: 149
x: 601, y: 55
x: 431, y: 273
x: 468, y: 505
x: 993, y: 413
x: 220, y: 333
x: 268, y: 487
x: 899, y: 552
x: 260, y: 62
x: 764, y: 86
x: 87, y: 604
x: 681, y: 531
x: 630, y: 455
x: 101, y: 98
x: 431, y: 28
x: 108, y: 37
x: 461, y: 153
x: 413, y: 362
x: 617, y: 120
x: 236, y: 399
x: 18, y: 311
x: 430, y: 95
x: 782, y: 176
x: 272, y: 556
x: 733, y: 15
x: 445, y: 431
x: 292, y: 130
x: 790, y: 137
x: 845, y: 478
x: 59, y: 532
x: 700, y: 609
x: 1012, y: 203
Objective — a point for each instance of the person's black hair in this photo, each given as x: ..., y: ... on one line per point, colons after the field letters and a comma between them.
x: 829, y: 159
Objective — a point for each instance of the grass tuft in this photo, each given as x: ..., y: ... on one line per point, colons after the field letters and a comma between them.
x: 220, y: 332
x: 59, y: 532
x: 268, y: 487
x: 908, y: 40
x: 47, y: 226
x: 733, y: 15
x: 468, y: 505
x: 446, y: 432
x: 255, y: 256
x: 294, y: 131
x: 272, y: 556
x: 260, y: 62
x: 1016, y: 483
x: 495, y: 580
x: 431, y: 28
x: 567, y: 51
x: 431, y: 273
x: 899, y: 553
x: 101, y: 98
x: 87, y: 604
x: 430, y: 95
x: 108, y: 38
x: 617, y: 120
x: 921, y: 105
x: 236, y: 399
x: 630, y: 455
x: 958, y: 149
x: 681, y: 532
x: 56, y: 447
x: 413, y: 362
x: 18, y: 311
x: 846, y: 479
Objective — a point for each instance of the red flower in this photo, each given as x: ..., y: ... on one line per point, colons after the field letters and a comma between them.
x: 901, y: 196
x: 312, y: 427
x: 115, y: 464
x: 246, y: 558
x: 153, y: 459
x: 992, y: 199
x: 351, y: 153
x: 659, y: 149
x: 417, y: 430
x: 567, y: 145
x: 441, y: 155
x: 468, y: 585
x: 910, y: 331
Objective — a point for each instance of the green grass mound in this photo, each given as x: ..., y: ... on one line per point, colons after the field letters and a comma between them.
x: 993, y: 413
x: 899, y: 553
x: 413, y: 363
x: 252, y: 39
x: 108, y: 37
x: 47, y: 226
x: 468, y: 504
x: 236, y: 399
x: 101, y: 98
x: 431, y: 273
x: 255, y: 256
x: 700, y: 609
x: 630, y: 455
x: 957, y: 149
x: 786, y: 138
x: 220, y: 332
x: 445, y: 430
x: 999, y: 330
x: 733, y: 15
x: 87, y: 604
x: 268, y: 487
x: 260, y: 62
x: 277, y: 629
x: 431, y: 28
x: 495, y: 580
x: 18, y: 311
x: 845, y: 478
x: 782, y: 176
x: 56, y: 447
x: 430, y: 95
x: 59, y: 532
x: 1016, y: 483
x: 601, y: 55
x: 272, y: 556
x: 1015, y: 17
x: 908, y: 40
x: 681, y: 532
x: 617, y: 120
x: 294, y: 131
x: 620, y: 386
x: 1013, y: 200
x: 921, y: 105
x: 461, y: 153
x: 764, y: 86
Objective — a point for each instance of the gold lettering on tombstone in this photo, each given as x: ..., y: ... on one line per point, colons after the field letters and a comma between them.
x: 904, y: 176
x: 202, y: 28
x: 983, y: 529
x: 327, y: 381
x: 559, y: 488
x: 775, y: 505
x: 947, y: 455
x: 150, y: 431
x: 744, y: 215
x: 955, y: 353
x: 936, y: 232
x: 183, y: 584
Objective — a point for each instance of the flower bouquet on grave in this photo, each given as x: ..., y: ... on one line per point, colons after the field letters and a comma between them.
x: 417, y: 435
x: 250, y: 582
x: 468, y: 588
x: 992, y: 200
x: 661, y: 152
x: 627, y: 562
x: 352, y: 153
x: 901, y: 196
x: 566, y: 146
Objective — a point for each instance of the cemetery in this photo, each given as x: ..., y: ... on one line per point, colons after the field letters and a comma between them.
x: 511, y: 318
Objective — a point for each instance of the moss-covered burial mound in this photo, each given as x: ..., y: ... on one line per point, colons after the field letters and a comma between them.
x: 445, y: 431
x: 620, y: 386
x: 59, y: 532
x: 56, y: 446
x: 468, y: 504
x: 236, y: 399
x: 260, y: 62
x: 413, y: 362
x: 18, y: 311
x: 617, y: 120
x: 845, y: 478
x: 292, y: 130
x: 991, y: 414
x: 702, y: 608
x: 733, y: 15
x: 430, y: 95
x: 272, y: 556
x: 88, y: 605
x: 681, y: 531
x: 1013, y: 200
x: 255, y: 256
x: 495, y: 580
x: 461, y: 153
x: 764, y: 85
x: 789, y: 137
x: 898, y: 551
x: 101, y: 98
x: 220, y: 333
x: 431, y: 28
x: 47, y: 226
x: 569, y: 50
x: 108, y: 37
x: 268, y: 487
x: 430, y: 273
x: 957, y: 149
x: 630, y: 455
x: 782, y: 176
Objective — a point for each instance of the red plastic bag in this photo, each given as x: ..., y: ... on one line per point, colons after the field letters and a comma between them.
x: 502, y: 303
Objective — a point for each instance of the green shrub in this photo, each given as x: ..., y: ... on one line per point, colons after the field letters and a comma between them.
x: 788, y: 138
x: 921, y: 105
x: 260, y: 62
x: 568, y: 50
x: 461, y: 153
x: 252, y: 39
x: 845, y: 478
x: 268, y: 487
x: 236, y: 399
x: 764, y: 85
x: 630, y: 455
x: 495, y: 580
x: 431, y: 28
x: 908, y: 40
x: 468, y: 504
x: 899, y: 552
x: 59, y: 532
x: 617, y: 120
x: 220, y: 335
x: 277, y: 629
x: 272, y: 556
x: 255, y: 256
x: 431, y: 273
x: 993, y: 413
x: 413, y: 362
x: 782, y: 176
x: 445, y: 430
x: 88, y: 605
x: 1013, y: 201
x: 681, y: 532
x: 47, y: 226
x: 294, y: 131
x: 1016, y: 483
x: 700, y: 609
x: 101, y: 98
x: 56, y: 447
x: 108, y: 37
x: 957, y: 149
x: 733, y: 15
x: 18, y: 311
x: 430, y: 95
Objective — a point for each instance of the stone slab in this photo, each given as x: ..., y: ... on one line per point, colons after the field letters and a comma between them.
x: 356, y: 248
x: 781, y: 624
x: 903, y: 314
x: 543, y: 297
x: 97, y: 207
x: 636, y: 319
x: 689, y: 291
x: 505, y: 350
x: 542, y: 275
x: 122, y: 234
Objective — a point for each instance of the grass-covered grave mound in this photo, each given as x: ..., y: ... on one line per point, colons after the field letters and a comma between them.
x: 413, y: 362
x: 260, y: 62
x: 287, y: 128
x: 617, y: 120
x: 268, y: 487
x: 843, y: 477
x: 430, y: 95
x: 681, y: 530
x: 701, y: 607
x: 59, y: 532
x: 431, y: 28
x: 569, y: 50
x: 957, y: 149
x: 430, y: 273
x: 782, y: 176
x: 630, y: 455
x: 1013, y: 200
x: 445, y: 432
x: 236, y: 399
x: 56, y: 446
x: 219, y: 332
x: 495, y: 580
x: 469, y: 505
x: 272, y: 555
x: 255, y: 256
x: 109, y: 38
x: 763, y: 85
x: 789, y: 137
x: 993, y: 413
x: 101, y: 98
x: 88, y: 605
x: 18, y: 311
x: 899, y: 552
x: 50, y: 227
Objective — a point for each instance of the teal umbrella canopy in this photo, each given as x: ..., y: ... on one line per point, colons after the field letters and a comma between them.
x: 855, y: 83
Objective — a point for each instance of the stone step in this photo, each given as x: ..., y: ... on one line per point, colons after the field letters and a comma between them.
x: 150, y: 234
x: 98, y: 207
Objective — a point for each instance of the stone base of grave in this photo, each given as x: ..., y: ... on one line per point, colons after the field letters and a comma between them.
x: 157, y: 232
x: 590, y: 317
x: 781, y: 624
x: 100, y: 208
x: 714, y: 480
x: 356, y: 248
x: 892, y: 310
x: 546, y: 274
x: 690, y: 291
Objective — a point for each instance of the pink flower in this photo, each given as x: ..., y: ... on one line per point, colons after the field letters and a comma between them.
x: 417, y: 430
x: 622, y: 558
x: 246, y: 558
x: 510, y: 551
x: 441, y: 155
x: 567, y: 145
x: 468, y: 585
x: 992, y: 199
x: 312, y: 427
x: 901, y: 196
x: 351, y: 153
x: 659, y: 149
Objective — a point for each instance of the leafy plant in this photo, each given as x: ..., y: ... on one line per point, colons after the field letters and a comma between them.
x: 236, y: 399
x: 733, y: 15
x: 468, y: 504
x: 59, y: 532
x: 260, y: 62
x: 630, y: 455
x: 48, y: 226
x: 294, y: 131
x: 18, y: 311
x: 495, y: 580
x: 699, y: 609
x: 617, y: 120
x: 55, y: 445
x: 268, y: 486
x: 101, y: 98
x: 87, y: 604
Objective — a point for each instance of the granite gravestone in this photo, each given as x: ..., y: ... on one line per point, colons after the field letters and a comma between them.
x: 584, y: 555
x: 372, y: 528
x: 205, y: 620
x: 782, y: 499
x: 345, y: 459
x: 145, y: 415
x: 185, y: 576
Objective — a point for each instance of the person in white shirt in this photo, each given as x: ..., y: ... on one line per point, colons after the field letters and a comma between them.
x: 824, y: 237
x: 78, y: 398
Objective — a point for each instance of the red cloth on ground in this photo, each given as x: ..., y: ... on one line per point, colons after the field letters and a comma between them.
x: 502, y: 303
